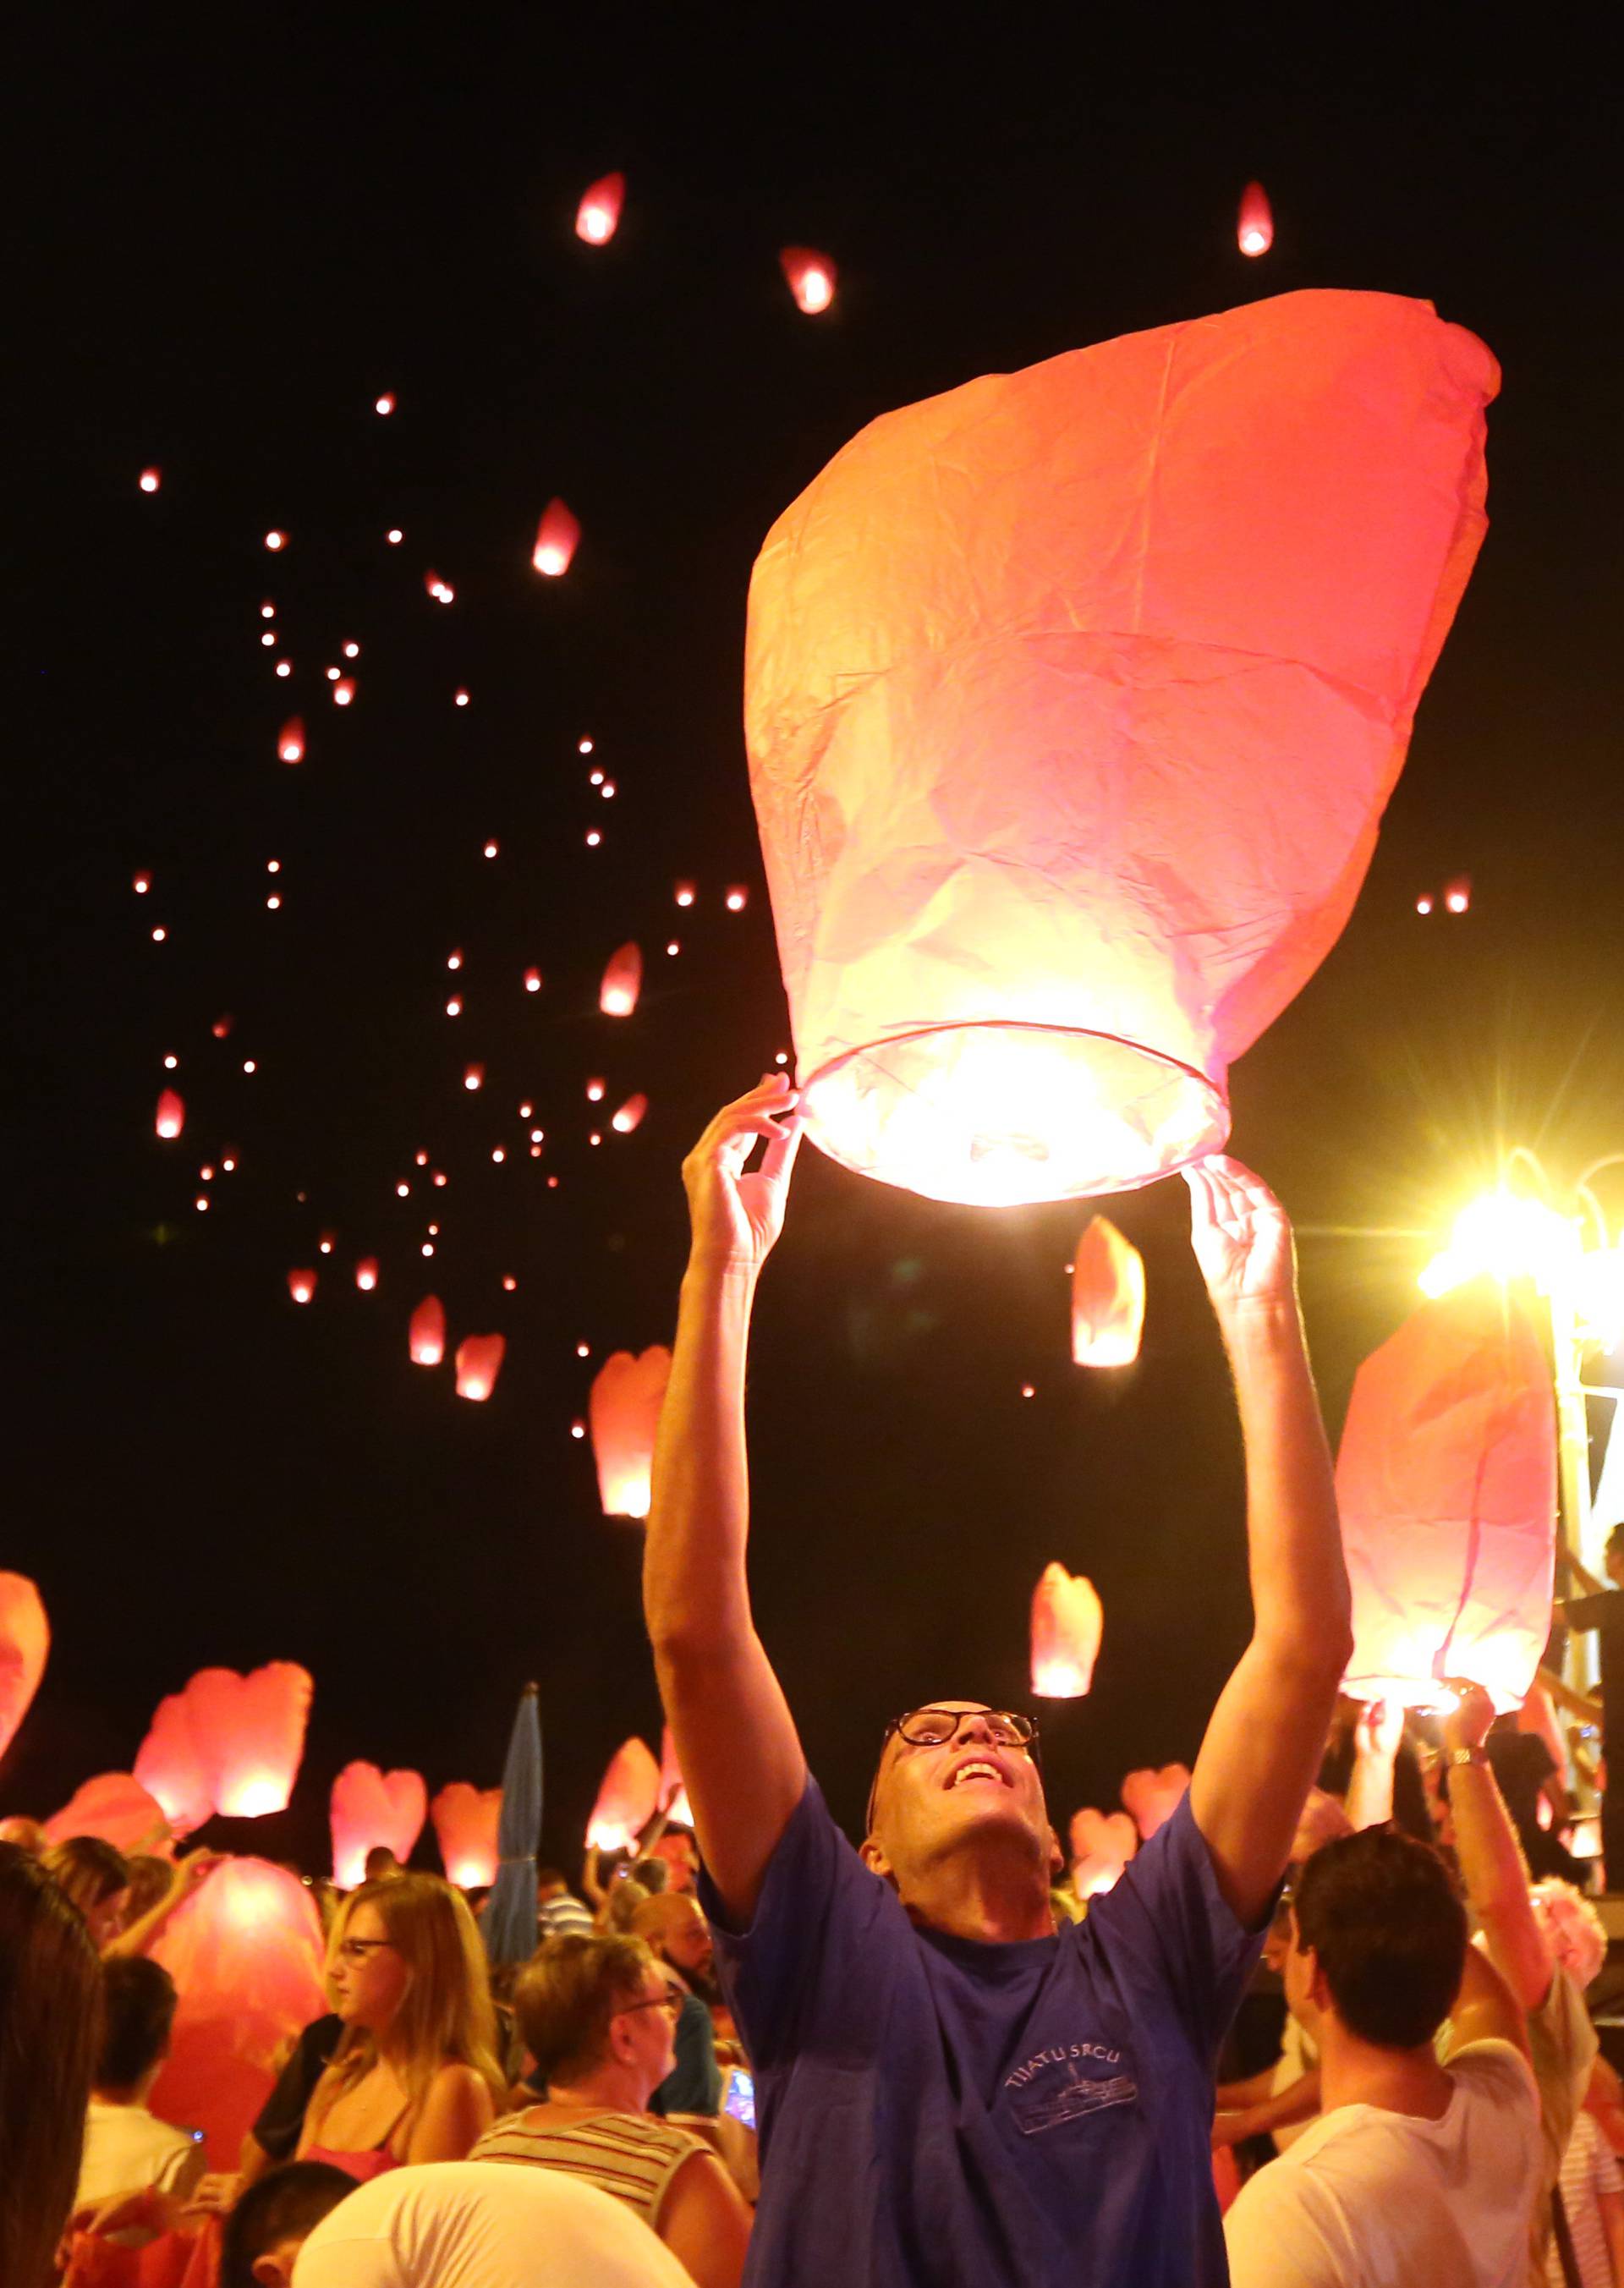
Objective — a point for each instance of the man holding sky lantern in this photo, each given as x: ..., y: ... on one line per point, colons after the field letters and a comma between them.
x: 950, y: 2090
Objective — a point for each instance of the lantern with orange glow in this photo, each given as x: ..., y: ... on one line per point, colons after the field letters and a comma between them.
x: 598, y: 217
x: 290, y: 741
x: 1446, y: 1483
x: 229, y: 1743
x: 810, y: 277
x: 1059, y: 810
x: 557, y: 536
x: 623, y: 1410
x: 369, y: 1807
x: 479, y: 1362
x: 301, y: 1285
x: 1458, y: 894
x: 25, y: 1640
x: 1067, y: 1620
x: 622, y: 982
x: 626, y: 1801
x: 115, y: 1806
x: 1107, y: 1297
x: 1153, y: 1797
x: 171, y: 1118
x: 1255, y: 224
x: 426, y: 1333
x: 171, y: 1764
x: 465, y: 1822
x: 629, y: 1114
x: 1103, y: 1842
x: 366, y: 1273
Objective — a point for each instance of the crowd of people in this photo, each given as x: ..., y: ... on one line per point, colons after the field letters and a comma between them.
x: 967, y: 2069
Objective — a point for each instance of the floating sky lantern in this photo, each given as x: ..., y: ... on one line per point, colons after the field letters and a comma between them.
x: 474, y: 1077
x: 229, y: 1743
x: 1066, y: 1622
x: 465, y: 1822
x: 383, y: 404
x: 1424, y: 904
x: 626, y: 1801
x: 290, y: 741
x: 1044, y: 853
x: 344, y: 691
x: 811, y: 278
x: 142, y: 885
x: 1255, y: 224
x: 366, y: 1273
x: 629, y: 1114
x: 301, y: 1285
x: 115, y: 1806
x: 171, y: 1764
x: 25, y: 1640
x: 1446, y: 1483
x: 624, y: 1407
x: 441, y: 590
x: 1458, y: 894
x: 598, y: 217
x: 368, y: 1808
x: 275, y: 541
x: 623, y: 980
x: 1153, y: 1797
x: 150, y: 479
x: 1103, y: 1842
x: 557, y: 536
x: 532, y: 980
x: 479, y: 1362
x: 170, y: 1116
x: 1107, y: 1297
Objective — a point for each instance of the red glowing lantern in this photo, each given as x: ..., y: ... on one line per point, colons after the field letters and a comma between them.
x: 441, y: 590
x: 115, y: 1806
x: 622, y: 982
x: 229, y: 1743
x: 465, y: 1822
x: 426, y: 1333
x: 598, y: 217
x: 811, y: 278
x: 1446, y: 1482
x: 473, y: 1078
x: 1458, y: 894
x: 479, y: 1362
x: 626, y: 1801
x: 150, y: 479
x: 629, y: 1114
x: 25, y: 1640
x: 290, y: 740
x: 1255, y: 224
x: 1044, y: 852
x: 301, y: 1285
x: 1107, y: 1297
x: 624, y: 1408
x: 246, y: 1951
x: 172, y: 1766
x: 369, y: 1807
x: 366, y: 1273
x: 1103, y: 1842
x: 1153, y: 1797
x: 557, y: 539
x: 170, y: 1115
x: 672, y: 1799
x: 1067, y: 1619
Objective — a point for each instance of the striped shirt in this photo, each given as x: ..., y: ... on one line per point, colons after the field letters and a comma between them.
x: 1589, y: 2170
x: 631, y: 2155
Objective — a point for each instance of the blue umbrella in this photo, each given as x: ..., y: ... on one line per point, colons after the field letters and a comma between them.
x: 509, y: 1920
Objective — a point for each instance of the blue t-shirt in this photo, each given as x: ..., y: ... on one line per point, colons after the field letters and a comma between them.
x: 939, y: 2113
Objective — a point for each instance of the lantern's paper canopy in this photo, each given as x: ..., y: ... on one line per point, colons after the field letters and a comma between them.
x: 466, y: 1820
x: 426, y: 1333
x: 626, y: 1801
x: 368, y: 1808
x: 479, y: 1362
x: 229, y: 1744
x: 1107, y: 1297
x: 598, y: 216
x: 1446, y: 1482
x: 1073, y: 698
x: 115, y: 1806
x: 623, y: 979
x: 25, y: 1640
x: 623, y: 1411
x: 1103, y: 1842
x: 1153, y: 1797
x: 1065, y: 1632
x: 246, y: 1953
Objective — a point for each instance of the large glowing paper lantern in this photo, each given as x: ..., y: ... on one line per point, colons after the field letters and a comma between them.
x: 115, y: 1806
x: 426, y: 1333
x: 810, y: 277
x: 1065, y: 1634
x: 1073, y: 698
x: 1107, y: 1297
x: 1446, y: 1482
x: 465, y: 1822
x: 368, y: 1808
x: 479, y: 1362
x: 25, y: 1640
x: 622, y: 982
x: 623, y: 1410
x: 172, y: 1765
x: 229, y: 1743
x: 598, y: 217
x: 556, y: 537
x: 1103, y: 1842
x: 626, y: 1801
x: 1153, y: 1797
x: 1255, y: 224
x: 170, y: 1116
x: 246, y: 1953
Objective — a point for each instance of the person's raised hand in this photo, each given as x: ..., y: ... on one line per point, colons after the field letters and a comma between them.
x: 736, y: 1216
x: 1378, y: 1730
x: 1466, y: 1725
x: 1240, y: 1235
x: 195, y: 1868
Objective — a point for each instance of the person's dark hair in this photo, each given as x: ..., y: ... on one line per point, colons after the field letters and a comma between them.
x: 651, y: 1873
x: 380, y: 1861
x: 88, y: 1869
x: 1615, y: 1539
x: 286, y: 2204
x: 549, y: 1878
x: 49, y: 2031
x: 149, y: 1881
x: 1384, y: 1920
x: 137, y: 2015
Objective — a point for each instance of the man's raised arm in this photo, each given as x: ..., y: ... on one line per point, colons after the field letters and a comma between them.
x: 736, y: 1739
x: 1268, y: 1732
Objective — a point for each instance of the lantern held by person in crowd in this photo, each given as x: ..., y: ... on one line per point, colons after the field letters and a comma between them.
x: 115, y: 1806
x: 466, y: 1823
x: 623, y: 1410
x: 479, y: 1362
x: 1103, y: 1842
x: 626, y: 1801
x: 623, y: 980
x: 1065, y: 1634
x: 1153, y: 1796
x: 1073, y: 699
x: 368, y: 1808
x: 557, y: 536
x: 1446, y: 1482
x: 426, y: 1333
x: 598, y: 217
x: 25, y: 1640
x: 1107, y: 1297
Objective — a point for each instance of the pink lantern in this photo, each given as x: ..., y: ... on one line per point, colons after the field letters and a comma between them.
x: 301, y: 1285
x: 556, y: 538
x: 171, y: 1118
x: 171, y: 1764
x: 1107, y: 1297
x: 465, y: 1822
x: 246, y: 1953
x: 1255, y: 224
x: 598, y: 217
x: 624, y: 1408
x: 1066, y: 1623
x: 115, y: 1806
x: 811, y: 278
x: 25, y: 1640
x: 626, y: 1801
x: 229, y: 1743
x: 479, y: 1362
x: 622, y: 982
x: 369, y: 1807
x: 150, y: 479
x: 672, y: 1799
x: 1458, y: 894
x: 1153, y: 1796
x: 426, y: 1333
x: 1103, y: 1842
x: 290, y: 741
x: 629, y: 1114
x: 366, y: 1273
x: 1446, y: 1481
x: 1059, y: 810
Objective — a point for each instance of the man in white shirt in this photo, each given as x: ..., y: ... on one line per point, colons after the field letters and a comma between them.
x: 127, y: 2148
x: 1417, y: 2174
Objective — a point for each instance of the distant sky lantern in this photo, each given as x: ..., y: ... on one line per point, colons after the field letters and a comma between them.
x: 598, y: 216
x: 630, y: 1114
x: 557, y: 536
x: 1029, y: 983
x: 1065, y: 1634
x: 627, y: 1799
x: 150, y: 479
x: 1458, y: 894
x: 426, y: 1333
x: 737, y: 900
x: 275, y: 541
x: 268, y: 611
x: 301, y: 1285
x: 1424, y: 904
x: 325, y: 1244
x: 461, y: 699
x: 684, y: 894
x: 622, y: 981
x: 344, y: 691
x: 222, y: 1025
x: 1103, y: 1842
x: 811, y: 278
x: 25, y: 1641
x: 441, y: 590
x: 490, y: 849
x: 1255, y: 225
x: 465, y: 1822
x: 352, y: 651
x: 584, y: 746
x: 594, y: 1091
x: 284, y: 667
x: 453, y: 1007
x: 593, y: 838
x: 453, y: 959
x: 1107, y: 1297
x: 624, y: 1408
x: 532, y: 980
x: 366, y: 1273
x: 383, y: 404
x: 395, y: 535
x: 479, y: 1362
x: 474, y: 1076
x: 170, y: 1116
x: 290, y: 741
x: 368, y: 1808
x: 1446, y: 1483
x: 1153, y: 1797
x: 142, y: 885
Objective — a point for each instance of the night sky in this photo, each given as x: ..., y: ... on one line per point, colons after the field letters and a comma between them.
x: 227, y: 235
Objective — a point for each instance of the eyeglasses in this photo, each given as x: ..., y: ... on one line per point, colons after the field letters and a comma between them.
x: 358, y: 1950
x: 672, y: 2002
x: 938, y: 1727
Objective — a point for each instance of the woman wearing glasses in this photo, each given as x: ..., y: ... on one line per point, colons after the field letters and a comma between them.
x: 598, y: 2017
